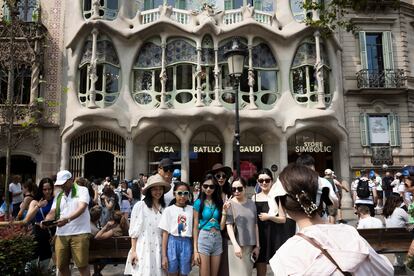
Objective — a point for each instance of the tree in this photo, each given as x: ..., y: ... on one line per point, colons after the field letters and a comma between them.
x: 21, y: 109
x: 331, y: 15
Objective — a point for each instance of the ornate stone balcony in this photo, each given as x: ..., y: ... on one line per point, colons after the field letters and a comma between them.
x: 388, y: 78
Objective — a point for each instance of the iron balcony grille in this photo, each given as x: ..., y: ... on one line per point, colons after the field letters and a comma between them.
x: 382, y: 155
x: 388, y: 78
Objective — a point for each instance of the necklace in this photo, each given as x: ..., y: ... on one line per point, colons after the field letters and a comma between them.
x: 157, y: 209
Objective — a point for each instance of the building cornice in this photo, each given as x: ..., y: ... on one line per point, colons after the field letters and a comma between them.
x: 373, y: 20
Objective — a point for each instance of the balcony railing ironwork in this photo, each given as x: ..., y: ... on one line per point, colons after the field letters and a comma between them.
x: 382, y: 155
x: 388, y: 78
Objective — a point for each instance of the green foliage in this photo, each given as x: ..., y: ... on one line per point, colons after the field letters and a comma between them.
x: 65, y: 90
x: 410, y: 262
x: 333, y: 14
x: 17, y: 248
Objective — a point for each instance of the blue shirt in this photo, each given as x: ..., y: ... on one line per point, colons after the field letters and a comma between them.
x: 210, y: 218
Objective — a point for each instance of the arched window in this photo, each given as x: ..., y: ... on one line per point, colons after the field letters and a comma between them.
x: 107, y: 71
x: 108, y: 9
x: 303, y: 74
x: 154, y: 4
x: 298, y: 12
x: 264, y: 68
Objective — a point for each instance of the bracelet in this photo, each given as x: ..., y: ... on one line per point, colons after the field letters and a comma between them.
x: 224, y: 213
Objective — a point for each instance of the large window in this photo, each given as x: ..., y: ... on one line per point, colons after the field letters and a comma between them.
x: 261, y: 5
x: 27, y: 9
x: 108, y: 9
x: 107, y: 72
x: 377, y: 60
x: 154, y: 4
x: 22, y: 85
x: 380, y: 130
x: 303, y: 74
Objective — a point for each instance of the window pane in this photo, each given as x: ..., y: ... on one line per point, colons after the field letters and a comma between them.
x: 99, y: 73
x: 374, y: 52
x: 87, y: 5
x: 111, y: 78
x: 157, y: 80
x: 169, y: 86
x: 237, y: 4
x: 211, y: 79
x: 143, y: 80
x: 83, y: 79
x: 268, y: 80
x: 225, y: 79
x: 244, y: 81
x: 299, y: 80
x: 184, y: 76
x: 112, y: 4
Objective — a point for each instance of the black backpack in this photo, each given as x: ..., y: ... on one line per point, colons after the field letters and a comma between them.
x: 362, y: 189
x: 386, y: 183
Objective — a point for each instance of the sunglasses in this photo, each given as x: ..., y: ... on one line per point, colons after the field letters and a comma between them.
x: 220, y: 175
x: 168, y: 169
x: 238, y: 189
x: 261, y: 180
x: 207, y: 186
x: 181, y: 193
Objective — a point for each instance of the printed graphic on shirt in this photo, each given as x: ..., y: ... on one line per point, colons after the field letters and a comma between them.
x: 182, y: 223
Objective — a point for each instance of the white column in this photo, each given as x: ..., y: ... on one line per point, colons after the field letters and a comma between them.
x: 92, y: 70
x: 251, y: 80
x: 216, y: 101
x: 64, y: 159
x: 344, y: 172
x: 228, y: 154
x: 185, y: 160
x: 141, y: 160
x: 129, y: 158
x: 283, y: 152
x: 199, y: 101
x: 96, y: 5
x: 319, y: 72
x: 163, y: 76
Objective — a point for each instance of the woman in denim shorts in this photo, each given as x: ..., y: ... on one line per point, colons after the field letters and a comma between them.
x: 208, y: 244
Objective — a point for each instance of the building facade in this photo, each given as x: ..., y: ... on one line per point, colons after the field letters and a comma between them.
x: 141, y: 80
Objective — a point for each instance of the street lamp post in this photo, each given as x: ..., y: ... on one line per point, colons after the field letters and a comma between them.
x: 235, y: 60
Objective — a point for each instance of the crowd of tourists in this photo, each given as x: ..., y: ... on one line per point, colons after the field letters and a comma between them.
x: 293, y: 222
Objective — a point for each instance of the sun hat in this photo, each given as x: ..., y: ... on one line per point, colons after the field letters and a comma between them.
x: 218, y: 167
x: 156, y: 180
x: 62, y: 177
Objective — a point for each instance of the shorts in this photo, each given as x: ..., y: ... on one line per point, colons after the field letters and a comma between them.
x: 210, y: 243
x: 332, y: 211
x: 380, y: 194
x: 75, y: 246
x: 179, y: 251
x: 125, y: 206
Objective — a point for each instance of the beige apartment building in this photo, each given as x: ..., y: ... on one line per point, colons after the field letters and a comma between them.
x: 137, y: 81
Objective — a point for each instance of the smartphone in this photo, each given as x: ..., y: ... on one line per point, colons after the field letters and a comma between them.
x: 253, y: 258
x: 49, y: 223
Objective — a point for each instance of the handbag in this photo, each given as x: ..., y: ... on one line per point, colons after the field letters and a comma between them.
x: 324, y: 252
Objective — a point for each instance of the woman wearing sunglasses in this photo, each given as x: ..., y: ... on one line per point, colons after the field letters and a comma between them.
x: 244, y: 245
x: 208, y: 245
x: 270, y: 222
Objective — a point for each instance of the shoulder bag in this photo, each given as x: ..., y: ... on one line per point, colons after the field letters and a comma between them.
x: 324, y: 252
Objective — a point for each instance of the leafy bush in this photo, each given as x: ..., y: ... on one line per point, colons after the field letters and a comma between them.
x: 17, y: 248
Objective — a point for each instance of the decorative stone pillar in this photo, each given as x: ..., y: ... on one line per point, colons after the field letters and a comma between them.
x: 163, y: 77
x: 93, y: 77
x: 228, y: 154
x: 96, y: 6
x: 251, y: 80
x: 65, y: 155
x: 319, y: 72
x: 199, y: 72
x: 216, y: 101
x: 129, y: 158
x: 283, y: 151
x: 34, y: 85
x: 185, y: 160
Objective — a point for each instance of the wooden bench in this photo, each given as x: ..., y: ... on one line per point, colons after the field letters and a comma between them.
x: 388, y: 240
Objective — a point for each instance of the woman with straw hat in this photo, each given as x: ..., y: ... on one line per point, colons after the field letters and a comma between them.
x: 144, y: 258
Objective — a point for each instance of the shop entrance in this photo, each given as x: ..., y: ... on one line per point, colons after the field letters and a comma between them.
x: 319, y: 147
x: 251, y: 149
x: 99, y: 164
x: 21, y: 165
x: 205, y: 150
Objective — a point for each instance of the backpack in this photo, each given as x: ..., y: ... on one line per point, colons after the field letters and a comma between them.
x: 362, y: 189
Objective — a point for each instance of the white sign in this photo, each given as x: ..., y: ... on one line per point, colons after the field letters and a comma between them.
x: 207, y: 149
x: 163, y: 149
x: 313, y: 147
x: 378, y: 130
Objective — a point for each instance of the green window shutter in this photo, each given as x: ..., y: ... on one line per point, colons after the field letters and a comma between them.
x: 148, y: 5
x: 387, y: 50
x: 394, y: 130
x: 363, y: 50
x: 228, y: 4
x: 363, y: 124
x: 258, y: 5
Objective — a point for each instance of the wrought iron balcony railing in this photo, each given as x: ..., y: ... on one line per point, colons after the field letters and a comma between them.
x: 388, y: 78
x: 382, y: 155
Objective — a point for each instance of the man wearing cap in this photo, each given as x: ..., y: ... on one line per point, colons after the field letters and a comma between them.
x: 165, y: 169
x: 70, y: 209
x: 331, y: 209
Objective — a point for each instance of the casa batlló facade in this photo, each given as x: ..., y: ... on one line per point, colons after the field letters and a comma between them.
x: 141, y: 80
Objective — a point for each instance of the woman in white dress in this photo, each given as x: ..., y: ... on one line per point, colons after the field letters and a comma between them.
x: 144, y: 258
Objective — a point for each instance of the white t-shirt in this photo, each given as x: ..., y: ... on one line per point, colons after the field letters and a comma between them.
x: 370, y: 222
x: 178, y: 221
x: 68, y: 205
x: 378, y: 183
x: 368, y: 200
x: 169, y: 196
x: 15, y: 188
x: 398, y: 218
x: 324, y: 184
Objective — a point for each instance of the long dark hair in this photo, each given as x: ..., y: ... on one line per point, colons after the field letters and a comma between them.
x: 215, y: 197
x: 148, y: 199
x: 392, y: 202
x: 176, y: 186
x: 267, y: 172
x: 39, y: 194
